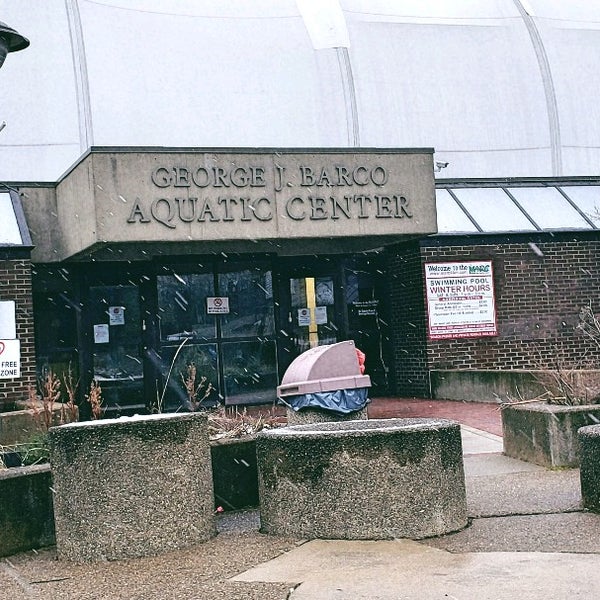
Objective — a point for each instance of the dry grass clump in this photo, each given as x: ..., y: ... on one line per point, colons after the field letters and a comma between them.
x: 570, y: 387
x: 225, y: 424
x: 197, y: 391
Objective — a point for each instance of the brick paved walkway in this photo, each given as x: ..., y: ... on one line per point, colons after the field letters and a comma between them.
x: 480, y: 415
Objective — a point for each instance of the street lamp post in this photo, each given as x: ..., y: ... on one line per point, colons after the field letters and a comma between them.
x: 10, y: 41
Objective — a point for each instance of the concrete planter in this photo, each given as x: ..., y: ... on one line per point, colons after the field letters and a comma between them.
x: 26, y: 517
x: 128, y: 488
x: 481, y: 385
x: 26, y: 512
x: 589, y: 474
x: 235, y: 475
x: 546, y: 434
x: 369, y: 479
x: 20, y: 425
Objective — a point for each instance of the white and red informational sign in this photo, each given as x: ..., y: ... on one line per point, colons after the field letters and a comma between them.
x: 116, y: 315
x: 10, y: 359
x: 460, y: 299
x: 8, y: 321
x: 217, y: 305
x: 304, y: 317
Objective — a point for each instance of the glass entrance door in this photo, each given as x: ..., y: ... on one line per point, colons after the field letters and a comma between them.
x: 334, y: 299
x: 311, y: 316
x: 117, y: 360
x: 217, y: 335
x: 310, y: 313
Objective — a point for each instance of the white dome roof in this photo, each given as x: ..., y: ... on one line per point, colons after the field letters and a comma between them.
x: 500, y: 88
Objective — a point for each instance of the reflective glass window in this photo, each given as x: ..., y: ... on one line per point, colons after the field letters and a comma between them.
x: 116, y: 321
x: 249, y: 372
x: 55, y: 319
x: 361, y: 299
x: 189, y: 376
x: 312, y: 318
x: 182, y: 308
x: 365, y: 302
x: 251, y: 309
x: 117, y: 359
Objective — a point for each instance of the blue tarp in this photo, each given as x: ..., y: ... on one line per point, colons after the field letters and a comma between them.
x: 340, y: 401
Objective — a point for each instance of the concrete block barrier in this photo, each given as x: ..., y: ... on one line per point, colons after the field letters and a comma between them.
x: 26, y: 517
x: 589, y: 470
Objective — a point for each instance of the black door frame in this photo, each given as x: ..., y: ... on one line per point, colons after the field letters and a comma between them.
x: 114, y: 274
x: 144, y: 276
x: 301, y: 267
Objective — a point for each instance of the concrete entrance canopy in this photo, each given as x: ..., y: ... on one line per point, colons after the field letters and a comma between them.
x: 127, y: 203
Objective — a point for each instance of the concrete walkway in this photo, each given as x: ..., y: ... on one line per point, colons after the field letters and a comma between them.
x: 527, y: 539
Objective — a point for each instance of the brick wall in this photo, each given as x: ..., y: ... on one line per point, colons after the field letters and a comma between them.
x: 408, y: 320
x: 15, y: 284
x: 540, y: 288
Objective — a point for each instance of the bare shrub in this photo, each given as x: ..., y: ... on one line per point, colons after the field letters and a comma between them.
x: 41, y: 401
x: 95, y: 399
x: 196, y: 390
x: 589, y: 324
x: 69, y: 410
x: 573, y: 384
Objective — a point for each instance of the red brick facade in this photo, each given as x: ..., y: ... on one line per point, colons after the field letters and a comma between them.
x: 15, y: 284
x: 408, y: 321
x: 540, y: 287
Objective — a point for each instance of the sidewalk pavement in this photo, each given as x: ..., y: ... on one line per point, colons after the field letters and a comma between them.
x: 528, y: 539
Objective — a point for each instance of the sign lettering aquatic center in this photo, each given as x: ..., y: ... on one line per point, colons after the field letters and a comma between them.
x: 217, y: 194
x: 298, y: 194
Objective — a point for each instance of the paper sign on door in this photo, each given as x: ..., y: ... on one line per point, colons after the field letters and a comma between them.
x: 320, y: 315
x: 304, y: 317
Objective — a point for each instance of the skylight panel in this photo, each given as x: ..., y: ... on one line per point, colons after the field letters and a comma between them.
x: 587, y: 200
x: 549, y: 208
x: 10, y: 233
x: 493, y: 210
x: 450, y: 216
